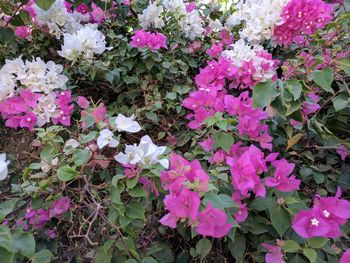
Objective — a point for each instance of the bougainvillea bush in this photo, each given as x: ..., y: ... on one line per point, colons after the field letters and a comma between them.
x: 174, y: 131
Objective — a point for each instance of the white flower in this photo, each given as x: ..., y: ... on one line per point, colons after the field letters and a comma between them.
x: 59, y: 20
x: 133, y: 154
x: 71, y: 48
x: 260, y: 17
x: 146, y: 153
x: 215, y: 25
x: 151, y: 152
x: 191, y: 25
x: 35, y: 75
x: 70, y: 145
x: 151, y: 17
x: 3, y: 166
x: 176, y: 6
x: 107, y: 138
x: 124, y: 123
x: 87, y: 41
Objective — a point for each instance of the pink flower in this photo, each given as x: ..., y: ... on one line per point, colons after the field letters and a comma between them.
x: 190, y: 7
x: 154, y: 41
x: 310, y: 223
x: 169, y: 220
x: 83, y: 102
x: 194, y: 46
x: 183, y: 205
x: 345, y: 258
x: 43, y: 216
x: 99, y: 113
x: 281, y: 181
x: 60, y: 206
x: 28, y: 121
x: 51, y: 233
x: 213, y: 222
x: 242, y: 213
x: 275, y: 253
x: 218, y: 157
x: 207, y: 144
x: 23, y: 31
x: 82, y: 9
x: 97, y: 14
x: 300, y: 17
x: 215, y: 50
x: 343, y: 152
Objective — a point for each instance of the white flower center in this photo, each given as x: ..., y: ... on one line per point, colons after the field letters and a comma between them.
x: 314, y: 222
x: 326, y: 213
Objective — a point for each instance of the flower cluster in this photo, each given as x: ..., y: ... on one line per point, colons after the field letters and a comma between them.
x: 85, y: 42
x: 35, y: 75
x: 187, y: 17
x: 302, y: 17
x: 59, y: 18
x: 324, y: 219
x: 153, y: 41
x: 260, y: 18
x: 29, y: 109
x: 145, y: 153
x: 38, y: 218
x: 186, y: 182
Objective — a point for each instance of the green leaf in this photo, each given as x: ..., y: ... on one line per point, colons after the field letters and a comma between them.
x: 6, y: 35
x: 224, y: 141
x: 203, y: 248
x: 280, y: 220
x: 103, y: 255
x: 23, y: 243
x: 7, y: 207
x: 294, y: 87
x: 310, y: 254
x: 138, y: 191
x: 264, y: 93
x: 237, y: 248
x: 290, y: 246
x: 44, y: 4
x: 43, y: 256
x: 317, y: 242
x: 345, y: 64
x: 135, y: 210
x: 261, y: 204
x: 66, y: 173
x: 324, y: 79
x: 131, y: 183
x: 341, y: 101
x: 220, y: 201
x: 81, y: 157
x: 6, y: 256
x: 149, y: 260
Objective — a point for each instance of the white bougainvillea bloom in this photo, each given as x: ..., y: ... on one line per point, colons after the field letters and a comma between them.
x: 127, y: 124
x: 177, y: 6
x: 259, y: 16
x: 3, y: 166
x: 105, y: 138
x: 151, y: 17
x: 191, y: 25
x: 85, y: 42
x: 146, y: 153
x: 133, y: 155
x: 151, y: 152
x: 35, y: 75
x: 59, y: 20
x: 215, y: 25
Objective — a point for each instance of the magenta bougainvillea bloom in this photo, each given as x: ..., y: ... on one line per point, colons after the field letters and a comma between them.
x: 324, y: 219
x: 153, y: 41
x: 282, y: 180
x: 343, y: 152
x: 213, y: 222
x: 345, y: 258
x: 302, y: 17
x: 97, y: 14
x: 215, y: 50
x: 23, y: 31
x: 183, y: 205
x: 207, y: 144
x: 274, y: 255
x: 60, y: 206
